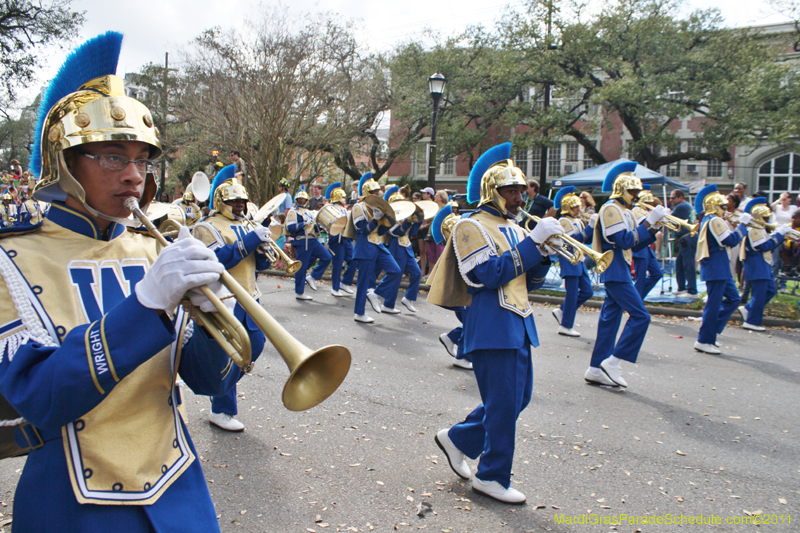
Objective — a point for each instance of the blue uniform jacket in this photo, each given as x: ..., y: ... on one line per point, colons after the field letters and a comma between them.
x: 398, y: 231
x: 363, y: 248
x: 636, y: 239
x: 567, y: 268
x: 754, y: 265
x: 717, y: 266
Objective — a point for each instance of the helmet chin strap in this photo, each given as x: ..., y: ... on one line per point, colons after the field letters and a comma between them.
x: 128, y: 222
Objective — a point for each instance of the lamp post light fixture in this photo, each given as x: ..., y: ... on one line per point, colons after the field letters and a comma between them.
x: 436, y: 85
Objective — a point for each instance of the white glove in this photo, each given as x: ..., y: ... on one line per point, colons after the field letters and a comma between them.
x: 593, y: 221
x: 183, y: 265
x: 658, y: 214
x: 263, y: 233
x: 783, y: 229
x: 199, y: 299
x: 377, y: 213
x: 745, y: 219
x: 309, y: 220
x: 547, y: 228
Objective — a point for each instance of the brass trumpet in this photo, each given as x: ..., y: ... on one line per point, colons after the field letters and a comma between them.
x: 273, y: 252
x: 675, y: 223
x: 603, y: 261
x: 315, y: 375
x: 733, y: 218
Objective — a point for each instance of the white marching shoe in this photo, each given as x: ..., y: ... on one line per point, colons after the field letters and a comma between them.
x: 743, y: 312
x: 338, y: 294
x: 372, y: 298
x: 450, y: 346
x: 311, y: 283
x: 752, y: 327
x: 389, y: 310
x: 225, y: 421
x: 614, y: 373
x: 462, y: 363
x: 557, y: 314
x: 456, y: 458
x: 347, y: 289
x: 706, y: 348
x: 599, y: 379
x: 496, y: 491
x: 366, y: 319
x: 302, y: 296
x: 568, y: 332
x: 409, y: 304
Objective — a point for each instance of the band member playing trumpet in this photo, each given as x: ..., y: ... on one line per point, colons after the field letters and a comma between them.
x: 616, y: 230
x: 645, y: 265
x: 94, y: 339
x: 228, y: 234
x: 9, y: 213
x: 576, y: 278
x: 300, y: 225
x: 712, y: 253
x: 190, y: 208
x: 400, y: 248
x: 490, y: 263
x: 756, y: 256
x: 372, y: 255
x: 341, y: 247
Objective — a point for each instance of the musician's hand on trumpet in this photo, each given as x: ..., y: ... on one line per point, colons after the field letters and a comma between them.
x: 179, y: 268
x: 547, y: 236
x: 263, y: 233
x: 745, y: 219
x: 658, y: 215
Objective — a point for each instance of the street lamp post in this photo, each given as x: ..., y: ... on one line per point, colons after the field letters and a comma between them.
x: 436, y: 84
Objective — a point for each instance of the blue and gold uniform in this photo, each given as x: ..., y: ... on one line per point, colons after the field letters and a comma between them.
x: 90, y: 343
x: 576, y: 278
x: 490, y: 264
x: 617, y: 230
x: 300, y: 225
x: 237, y: 248
x: 645, y: 264
x: 341, y: 247
x: 400, y: 247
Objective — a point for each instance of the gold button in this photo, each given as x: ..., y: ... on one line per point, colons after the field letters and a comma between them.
x: 82, y: 120
x: 117, y: 113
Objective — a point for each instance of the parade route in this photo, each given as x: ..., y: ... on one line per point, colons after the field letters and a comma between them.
x: 693, y: 434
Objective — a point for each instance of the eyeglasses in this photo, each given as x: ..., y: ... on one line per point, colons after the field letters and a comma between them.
x: 673, y: 197
x: 120, y: 162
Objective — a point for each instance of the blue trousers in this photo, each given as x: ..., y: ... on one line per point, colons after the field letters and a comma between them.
x: 723, y: 300
x: 685, y: 267
x: 366, y: 275
x: 307, y: 250
x: 350, y: 271
x: 579, y: 289
x: 457, y: 334
x: 342, y: 251
x: 505, y: 381
x: 763, y: 290
x: 648, y: 273
x: 620, y: 296
x: 226, y: 403
x: 409, y: 266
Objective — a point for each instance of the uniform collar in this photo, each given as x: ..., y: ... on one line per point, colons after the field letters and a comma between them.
x: 77, y: 222
x: 492, y: 210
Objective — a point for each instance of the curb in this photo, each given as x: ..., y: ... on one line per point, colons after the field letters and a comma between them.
x: 596, y: 304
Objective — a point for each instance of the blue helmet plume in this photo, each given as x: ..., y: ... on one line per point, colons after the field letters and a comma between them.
x: 222, y: 176
x: 331, y: 188
x: 754, y: 202
x: 616, y: 170
x: 364, y: 178
x: 701, y: 196
x: 436, y: 225
x: 561, y: 194
x: 495, y: 154
x: 390, y: 191
x: 94, y: 58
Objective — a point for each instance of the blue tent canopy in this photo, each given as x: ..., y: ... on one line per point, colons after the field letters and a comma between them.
x: 593, y: 177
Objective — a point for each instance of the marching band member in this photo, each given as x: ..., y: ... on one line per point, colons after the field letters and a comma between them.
x: 300, y: 225
x: 9, y: 211
x: 371, y: 254
x: 441, y: 228
x: 341, y: 247
x: 400, y: 248
x: 226, y: 232
x: 189, y: 205
x: 756, y: 256
x: 712, y: 253
x: 616, y: 230
x: 576, y: 278
x: 31, y: 212
x: 490, y: 263
x: 645, y: 265
x: 94, y: 339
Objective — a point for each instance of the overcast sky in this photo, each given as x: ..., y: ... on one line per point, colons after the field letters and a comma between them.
x: 153, y: 27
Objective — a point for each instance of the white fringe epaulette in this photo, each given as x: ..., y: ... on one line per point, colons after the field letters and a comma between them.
x: 464, y: 267
x: 188, y: 331
x: 33, y: 328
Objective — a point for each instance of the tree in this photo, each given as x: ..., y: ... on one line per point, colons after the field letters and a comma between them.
x: 26, y: 27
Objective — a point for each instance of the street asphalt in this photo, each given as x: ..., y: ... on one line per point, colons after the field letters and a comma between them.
x: 692, y: 436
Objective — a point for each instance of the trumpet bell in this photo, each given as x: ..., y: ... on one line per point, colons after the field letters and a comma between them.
x: 603, y: 262
x: 315, y: 377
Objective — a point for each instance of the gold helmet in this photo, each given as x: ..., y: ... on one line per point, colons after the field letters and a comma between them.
x: 188, y: 195
x: 761, y: 211
x: 338, y: 195
x: 568, y: 203
x: 620, y: 180
x: 710, y: 201
x: 301, y: 194
x: 491, y: 171
x: 230, y: 189
x: 647, y: 197
x: 96, y: 111
x: 369, y: 186
x: 8, y: 197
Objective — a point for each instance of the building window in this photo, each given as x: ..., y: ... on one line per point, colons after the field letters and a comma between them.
x: 779, y: 175
x: 572, y: 152
x: 554, y: 161
x: 673, y: 170
x: 420, y: 166
x: 714, y: 168
x: 521, y: 159
x: 449, y: 167
x: 536, y: 163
